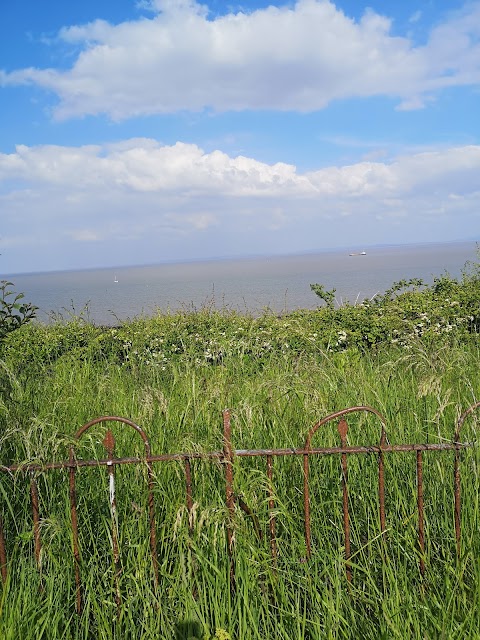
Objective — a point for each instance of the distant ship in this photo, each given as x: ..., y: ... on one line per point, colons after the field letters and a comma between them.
x: 360, y: 253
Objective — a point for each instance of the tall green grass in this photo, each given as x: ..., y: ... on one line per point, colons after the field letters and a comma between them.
x: 275, y: 394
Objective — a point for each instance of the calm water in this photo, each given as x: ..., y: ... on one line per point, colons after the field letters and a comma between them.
x: 278, y: 283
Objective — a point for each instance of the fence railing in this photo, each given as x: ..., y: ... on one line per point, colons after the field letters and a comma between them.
x: 226, y: 457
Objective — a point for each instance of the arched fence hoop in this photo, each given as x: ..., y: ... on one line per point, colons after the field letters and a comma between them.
x: 109, y: 444
x: 343, y: 431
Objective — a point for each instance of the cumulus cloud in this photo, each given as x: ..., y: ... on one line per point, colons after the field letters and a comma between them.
x: 298, y: 57
x: 143, y: 165
x: 154, y: 202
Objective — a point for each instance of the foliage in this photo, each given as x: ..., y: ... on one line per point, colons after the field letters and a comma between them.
x: 327, y: 295
x: 410, y: 309
x: 13, y: 312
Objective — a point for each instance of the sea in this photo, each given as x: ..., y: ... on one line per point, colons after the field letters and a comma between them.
x: 252, y: 285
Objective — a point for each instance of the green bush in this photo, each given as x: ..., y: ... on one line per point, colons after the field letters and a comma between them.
x: 13, y: 312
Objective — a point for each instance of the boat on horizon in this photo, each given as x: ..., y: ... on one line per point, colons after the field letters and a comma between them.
x: 359, y: 253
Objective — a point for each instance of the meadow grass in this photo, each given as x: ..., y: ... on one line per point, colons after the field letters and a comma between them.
x: 173, y: 375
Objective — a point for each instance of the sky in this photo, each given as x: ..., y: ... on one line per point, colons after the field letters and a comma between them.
x: 171, y: 130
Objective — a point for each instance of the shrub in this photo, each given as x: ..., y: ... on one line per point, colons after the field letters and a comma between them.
x: 13, y: 312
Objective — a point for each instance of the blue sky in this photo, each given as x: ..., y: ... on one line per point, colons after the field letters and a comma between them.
x: 144, y: 132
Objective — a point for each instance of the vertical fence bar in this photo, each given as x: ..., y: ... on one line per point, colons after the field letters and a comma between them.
x: 72, y: 494
x: 306, y: 500
x: 381, y: 492
x: 343, y: 430
x: 421, y: 524
x: 151, y: 499
x: 3, y: 553
x: 457, y: 489
x: 342, y: 427
x: 36, y: 519
x: 457, y: 499
x: 230, y: 496
x: 381, y: 483
x: 306, y: 505
x: 271, y: 506
x: 109, y: 444
x: 151, y: 516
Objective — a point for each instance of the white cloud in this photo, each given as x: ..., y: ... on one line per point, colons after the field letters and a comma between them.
x: 143, y: 165
x: 298, y: 57
x: 146, y: 202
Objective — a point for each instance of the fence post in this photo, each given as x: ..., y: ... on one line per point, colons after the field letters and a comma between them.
x: 343, y: 430
x: 421, y: 525
x: 230, y: 496
x: 271, y: 514
x: 109, y: 444
x: 72, y: 494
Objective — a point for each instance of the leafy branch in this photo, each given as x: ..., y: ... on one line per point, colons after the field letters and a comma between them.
x: 327, y: 295
x: 13, y: 312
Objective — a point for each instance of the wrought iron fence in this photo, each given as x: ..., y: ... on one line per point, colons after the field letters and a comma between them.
x: 226, y: 457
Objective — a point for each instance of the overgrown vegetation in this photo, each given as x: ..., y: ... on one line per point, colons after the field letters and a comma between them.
x: 412, y: 353
x: 13, y: 313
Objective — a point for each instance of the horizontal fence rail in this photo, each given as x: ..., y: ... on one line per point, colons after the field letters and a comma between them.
x: 226, y: 457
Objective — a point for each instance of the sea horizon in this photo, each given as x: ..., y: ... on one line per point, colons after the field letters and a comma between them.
x: 252, y: 284
x: 246, y: 257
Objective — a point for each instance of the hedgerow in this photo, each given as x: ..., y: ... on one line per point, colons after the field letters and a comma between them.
x: 410, y: 311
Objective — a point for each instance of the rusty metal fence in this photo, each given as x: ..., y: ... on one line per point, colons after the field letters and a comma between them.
x: 226, y: 457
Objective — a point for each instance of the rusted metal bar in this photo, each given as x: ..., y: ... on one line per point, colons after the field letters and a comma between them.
x: 457, y: 501
x: 343, y: 430
x: 148, y: 461
x: 3, y: 554
x: 456, y: 475
x: 381, y: 489
x: 151, y: 509
x: 110, y: 462
x: 151, y: 517
x: 421, y: 525
x: 381, y: 482
x: 343, y: 450
x: 76, y: 547
x: 271, y: 507
x: 109, y: 444
x: 36, y: 519
x: 230, y: 497
x: 244, y: 453
x: 328, y: 451
x: 306, y: 506
x: 463, y: 417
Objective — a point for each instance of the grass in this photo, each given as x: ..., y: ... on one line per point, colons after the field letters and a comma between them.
x: 65, y: 375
